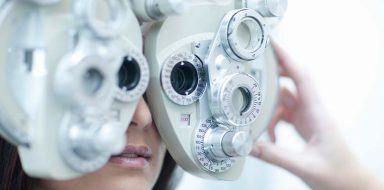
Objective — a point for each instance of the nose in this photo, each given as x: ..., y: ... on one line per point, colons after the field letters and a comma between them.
x: 142, y: 116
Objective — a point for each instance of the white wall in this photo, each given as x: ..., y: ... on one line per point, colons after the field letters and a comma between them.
x: 341, y: 43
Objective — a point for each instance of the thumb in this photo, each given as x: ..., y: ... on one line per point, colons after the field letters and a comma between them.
x: 269, y: 152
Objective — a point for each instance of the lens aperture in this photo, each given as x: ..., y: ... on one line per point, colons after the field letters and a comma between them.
x: 129, y: 74
x: 184, y: 78
x: 241, y: 99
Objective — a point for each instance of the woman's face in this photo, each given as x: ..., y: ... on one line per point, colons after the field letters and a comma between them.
x: 136, y: 168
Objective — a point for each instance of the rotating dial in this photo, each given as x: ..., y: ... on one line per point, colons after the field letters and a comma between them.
x: 183, y: 78
x: 238, y: 100
x: 203, y: 155
x: 87, y: 144
x: 243, y: 34
x: 133, y: 76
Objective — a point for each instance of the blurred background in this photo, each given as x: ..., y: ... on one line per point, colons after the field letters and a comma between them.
x: 341, y: 44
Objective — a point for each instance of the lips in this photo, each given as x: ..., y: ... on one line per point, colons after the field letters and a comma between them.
x: 133, y: 157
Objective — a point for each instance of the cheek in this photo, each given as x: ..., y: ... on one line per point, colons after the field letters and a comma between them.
x: 159, y: 149
x: 158, y: 153
x: 156, y: 141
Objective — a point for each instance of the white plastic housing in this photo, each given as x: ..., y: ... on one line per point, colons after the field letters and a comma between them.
x: 37, y: 134
x: 193, y: 32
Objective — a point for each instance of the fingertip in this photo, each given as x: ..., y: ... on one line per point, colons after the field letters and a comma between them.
x: 281, y: 157
x: 287, y: 66
x: 267, y: 151
x: 281, y: 56
x: 259, y: 148
x: 255, y: 151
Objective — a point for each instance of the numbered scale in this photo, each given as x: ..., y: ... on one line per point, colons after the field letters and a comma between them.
x: 183, y: 78
x: 203, y: 148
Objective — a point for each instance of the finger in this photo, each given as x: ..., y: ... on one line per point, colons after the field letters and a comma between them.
x: 289, y: 69
x: 272, y: 125
x: 288, y: 99
x: 286, y: 64
x: 289, y: 105
x: 292, y: 112
x: 286, y: 106
x: 282, y: 72
x: 275, y: 155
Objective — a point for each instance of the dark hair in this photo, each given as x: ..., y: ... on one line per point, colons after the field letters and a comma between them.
x: 12, y: 176
x: 166, y: 174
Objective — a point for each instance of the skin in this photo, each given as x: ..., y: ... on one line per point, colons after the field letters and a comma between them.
x: 142, y: 131
x: 326, y: 162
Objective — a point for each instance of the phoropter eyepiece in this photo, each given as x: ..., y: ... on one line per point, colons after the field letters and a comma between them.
x: 184, y: 78
x: 129, y: 73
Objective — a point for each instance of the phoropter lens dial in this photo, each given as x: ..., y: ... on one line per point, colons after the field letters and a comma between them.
x: 183, y: 78
x: 87, y: 144
x: 237, y: 101
x: 244, y: 35
x: 133, y: 77
x: 104, y: 24
x: 85, y: 81
x: 129, y: 74
x: 217, y: 146
x: 203, y: 157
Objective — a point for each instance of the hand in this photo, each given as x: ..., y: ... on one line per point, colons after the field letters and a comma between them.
x: 326, y: 162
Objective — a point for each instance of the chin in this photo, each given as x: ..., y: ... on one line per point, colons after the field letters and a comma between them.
x: 129, y: 178
x: 137, y: 184
x: 123, y: 183
x: 109, y: 177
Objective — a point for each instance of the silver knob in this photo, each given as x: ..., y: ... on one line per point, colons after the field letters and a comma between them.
x: 104, y: 23
x: 93, y: 141
x: 87, y: 142
x: 221, y: 143
x: 237, y: 144
x: 158, y: 9
x: 109, y: 139
x: 269, y: 8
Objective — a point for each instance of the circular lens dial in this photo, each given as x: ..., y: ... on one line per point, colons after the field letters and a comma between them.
x: 204, y: 157
x: 238, y: 100
x: 86, y: 82
x: 106, y: 18
x: 183, y: 78
x: 86, y: 144
x: 244, y: 35
x: 133, y: 77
